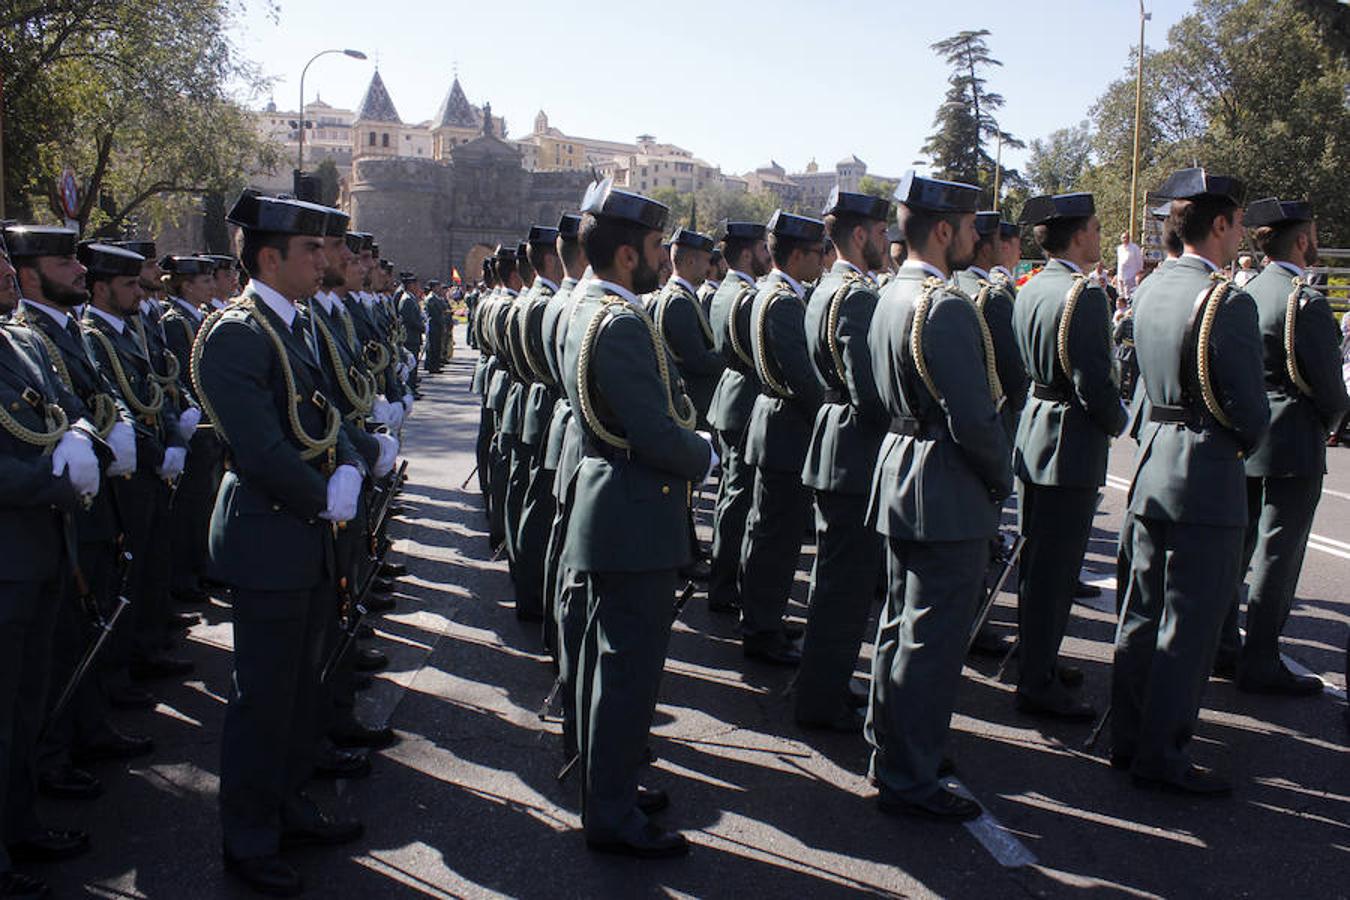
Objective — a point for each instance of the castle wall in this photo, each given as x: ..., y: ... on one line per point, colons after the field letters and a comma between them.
x: 404, y: 203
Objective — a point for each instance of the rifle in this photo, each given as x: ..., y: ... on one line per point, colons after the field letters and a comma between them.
x: 466, y: 481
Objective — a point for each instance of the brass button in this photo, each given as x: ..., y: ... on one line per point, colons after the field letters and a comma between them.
x: 14, y: 406
x: 665, y: 489
x: 276, y: 507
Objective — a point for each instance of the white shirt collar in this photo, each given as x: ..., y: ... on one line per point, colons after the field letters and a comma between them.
x: 742, y: 276
x: 1296, y: 271
x: 146, y: 306
x: 713, y: 283
x: 982, y: 274
x: 684, y: 283
x: 1208, y: 265
x: 926, y: 267
x: 277, y: 303
x: 848, y: 265
x: 196, y: 313
x: 541, y: 281
x: 620, y: 290
x: 217, y: 303
x: 510, y: 292
x: 1066, y: 264
x: 791, y: 282
x: 1001, y: 270
x: 327, y: 300
x: 117, y: 322
x: 59, y: 316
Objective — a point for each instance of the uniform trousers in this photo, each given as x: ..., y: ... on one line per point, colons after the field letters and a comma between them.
x: 843, y: 586
x: 1184, y: 575
x: 779, y: 513
x: 735, y: 489
x: 931, y: 602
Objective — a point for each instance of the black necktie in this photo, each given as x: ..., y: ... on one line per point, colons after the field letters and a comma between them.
x: 73, y: 330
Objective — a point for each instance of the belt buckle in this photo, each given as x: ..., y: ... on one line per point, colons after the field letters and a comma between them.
x: 32, y: 398
x: 319, y: 400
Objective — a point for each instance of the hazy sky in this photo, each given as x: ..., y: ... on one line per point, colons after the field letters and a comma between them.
x: 735, y: 82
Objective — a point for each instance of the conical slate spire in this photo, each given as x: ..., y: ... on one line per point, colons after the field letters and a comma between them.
x: 376, y: 105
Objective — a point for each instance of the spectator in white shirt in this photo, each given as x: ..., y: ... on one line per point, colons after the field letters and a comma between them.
x: 1129, y: 263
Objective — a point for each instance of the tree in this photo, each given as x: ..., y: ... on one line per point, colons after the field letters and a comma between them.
x: 965, y: 120
x: 715, y: 204
x: 329, y: 182
x: 134, y: 97
x: 1057, y: 162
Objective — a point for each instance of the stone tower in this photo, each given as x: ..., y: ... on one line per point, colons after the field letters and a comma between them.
x: 377, y: 129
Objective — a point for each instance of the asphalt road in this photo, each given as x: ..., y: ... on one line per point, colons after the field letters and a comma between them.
x: 467, y: 804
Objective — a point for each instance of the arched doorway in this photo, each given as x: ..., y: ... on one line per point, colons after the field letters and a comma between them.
x: 473, y: 263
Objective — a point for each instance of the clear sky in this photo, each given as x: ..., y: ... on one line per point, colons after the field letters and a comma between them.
x: 735, y: 82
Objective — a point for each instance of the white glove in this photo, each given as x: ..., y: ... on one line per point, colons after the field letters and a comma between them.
x: 388, y: 454
x: 174, y: 460
x: 403, y: 371
x: 407, y: 405
x: 188, y: 421
x: 713, y: 458
x: 74, y: 457
x: 344, y: 488
x: 122, y: 440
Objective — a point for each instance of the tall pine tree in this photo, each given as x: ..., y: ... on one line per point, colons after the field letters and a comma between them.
x: 966, y: 121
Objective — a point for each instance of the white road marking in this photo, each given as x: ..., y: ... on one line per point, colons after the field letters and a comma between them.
x: 1340, y: 495
x: 1001, y: 843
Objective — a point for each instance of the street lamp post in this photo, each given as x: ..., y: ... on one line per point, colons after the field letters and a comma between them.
x: 300, y: 154
x: 1138, y: 114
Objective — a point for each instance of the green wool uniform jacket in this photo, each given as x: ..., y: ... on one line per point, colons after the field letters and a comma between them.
x: 851, y: 422
x: 414, y: 322
x: 542, y: 391
x: 1194, y: 472
x: 1296, y: 443
x: 997, y: 308
x: 266, y: 533
x: 734, y: 396
x: 689, y: 338
x: 947, y: 482
x: 152, y: 438
x: 630, y: 508
x: 30, y: 533
x: 1065, y: 442
x: 780, y: 428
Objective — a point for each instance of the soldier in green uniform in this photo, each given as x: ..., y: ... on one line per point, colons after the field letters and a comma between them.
x: 482, y: 375
x: 717, y: 271
x: 684, y: 325
x: 48, y: 466
x: 939, y: 482
x: 536, y: 499
x: 439, y: 324
x: 989, y: 283
x: 777, y: 437
x: 627, y: 533
x: 1063, y: 326
x: 293, y: 477
x: 844, y: 442
x: 747, y: 257
x: 414, y: 322
x: 509, y: 286
x: 1198, y: 341
x: 1284, y: 474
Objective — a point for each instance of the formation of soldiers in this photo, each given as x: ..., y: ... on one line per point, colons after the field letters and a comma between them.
x: 166, y: 437
x: 894, y: 401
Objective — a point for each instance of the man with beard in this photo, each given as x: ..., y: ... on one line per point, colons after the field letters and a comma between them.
x: 1063, y: 325
x: 48, y: 467
x: 683, y: 323
x: 294, y: 475
x: 777, y: 437
x: 939, y: 482
x: 844, y: 443
x: 9, y: 285
x: 627, y: 534
x: 747, y: 258
x: 1284, y: 474
x: 717, y: 270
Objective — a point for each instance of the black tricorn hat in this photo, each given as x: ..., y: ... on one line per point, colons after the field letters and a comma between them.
x: 1048, y: 208
x: 1272, y: 211
x: 796, y: 228
x: 878, y: 208
x: 188, y: 265
x: 221, y: 260
x: 986, y: 223
x: 605, y: 201
x: 271, y: 215
x: 337, y: 223
x: 26, y: 241
x: 740, y: 231
x: 932, y: 195
x: 144, y: 248
x: 569, y: 226
x: 694, y: 240
x: 542, y: 234
x: 109, y: 260
x: 1195, y: 182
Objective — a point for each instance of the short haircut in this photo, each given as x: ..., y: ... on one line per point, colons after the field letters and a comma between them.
x: 917, y: 224
x: 570, y: 252
x: 780, y: 248
x: 1171, y: 238
x: 1056, y: 235
x: 1193, y: 219
x: 1277, y: 241
x: 255, y: 241
x: 539, y: 254
x: 840, y: 225
x: 504, y: 267
x: 602, y: 239
x: 684, y: 254
x: 732, y: 248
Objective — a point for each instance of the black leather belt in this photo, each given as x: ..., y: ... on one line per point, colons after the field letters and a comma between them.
x: 908, y: 426
x: 837, y: 395
x: 1173, y: 415
x: 1051, y: 393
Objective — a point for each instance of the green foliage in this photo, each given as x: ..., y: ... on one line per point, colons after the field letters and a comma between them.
x: 1256, y: 88
x: 715, y: 204
x: 133, y: 96
x: 966, y: 121
x: 329, y: 182
x: 1057, y: 162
